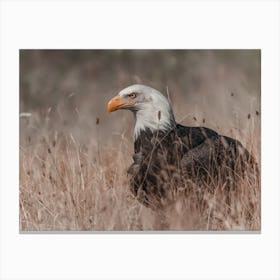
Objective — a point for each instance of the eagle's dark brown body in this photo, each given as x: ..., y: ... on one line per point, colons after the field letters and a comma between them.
x: 166, y: 163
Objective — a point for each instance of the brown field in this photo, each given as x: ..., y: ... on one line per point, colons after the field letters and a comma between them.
x: 74, y: 156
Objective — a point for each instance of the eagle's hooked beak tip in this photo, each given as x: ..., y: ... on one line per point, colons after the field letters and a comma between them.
x: 114, y: 104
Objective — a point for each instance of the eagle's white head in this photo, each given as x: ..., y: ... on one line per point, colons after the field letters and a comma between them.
x: 151, y: 109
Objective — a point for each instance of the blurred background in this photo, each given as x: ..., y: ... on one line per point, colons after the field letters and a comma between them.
x: 64, y: 91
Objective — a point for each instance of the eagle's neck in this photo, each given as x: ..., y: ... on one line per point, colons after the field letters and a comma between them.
x: 153, y: 119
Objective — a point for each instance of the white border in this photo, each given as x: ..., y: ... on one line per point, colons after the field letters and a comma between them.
x: 155, y: 24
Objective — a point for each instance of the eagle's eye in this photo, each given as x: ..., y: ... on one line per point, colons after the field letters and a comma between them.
x: 132, y: 95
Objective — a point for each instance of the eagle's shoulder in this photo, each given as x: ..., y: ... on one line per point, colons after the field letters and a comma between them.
x: 192, y: 137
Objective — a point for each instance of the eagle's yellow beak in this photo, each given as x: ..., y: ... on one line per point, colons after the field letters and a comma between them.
x: 117, y: 103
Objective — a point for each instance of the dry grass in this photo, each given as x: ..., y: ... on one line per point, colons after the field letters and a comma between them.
x: 66, y: 185
x: 73, y: 166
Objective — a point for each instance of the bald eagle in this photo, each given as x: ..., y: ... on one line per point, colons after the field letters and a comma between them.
x: 169, y: 157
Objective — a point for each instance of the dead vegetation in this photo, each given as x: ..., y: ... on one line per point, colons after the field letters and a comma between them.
x: 74, y: 158
x: 64, y: 185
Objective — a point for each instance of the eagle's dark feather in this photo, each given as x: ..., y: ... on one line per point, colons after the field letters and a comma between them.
x: 165, y: 162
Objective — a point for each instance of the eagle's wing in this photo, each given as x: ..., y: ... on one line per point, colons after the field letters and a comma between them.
x: 197, y: 161
x: 217, y: 157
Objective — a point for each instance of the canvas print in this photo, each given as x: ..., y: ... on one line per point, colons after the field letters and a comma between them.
x: 140, y: 140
